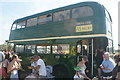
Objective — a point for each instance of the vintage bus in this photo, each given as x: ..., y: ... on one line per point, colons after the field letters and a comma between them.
x: 61, y: 36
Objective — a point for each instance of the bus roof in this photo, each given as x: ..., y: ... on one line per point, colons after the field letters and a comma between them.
x: 90, y: 3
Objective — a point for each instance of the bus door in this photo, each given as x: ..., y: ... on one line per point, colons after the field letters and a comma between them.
x: 85, y: 48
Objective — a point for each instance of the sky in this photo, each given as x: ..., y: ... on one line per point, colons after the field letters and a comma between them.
x: 10, y: 10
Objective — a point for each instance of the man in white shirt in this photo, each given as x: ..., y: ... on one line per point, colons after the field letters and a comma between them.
x: 40, y: 67
x: 2, y: 56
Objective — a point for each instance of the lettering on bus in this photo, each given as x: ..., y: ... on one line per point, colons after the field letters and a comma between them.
x: 84, y: 28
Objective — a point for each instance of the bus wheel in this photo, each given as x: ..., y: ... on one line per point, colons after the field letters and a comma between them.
x: 60, y: 72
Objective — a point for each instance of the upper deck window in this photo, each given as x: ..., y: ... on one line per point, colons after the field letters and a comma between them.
x: 21, y: 24
x: 108, y: 15
x: 45, y: 19
x: 32, y: 22
x: 62, y: 15
x: 82, y: 12
x: 108, y: 23
x: 13, y: 26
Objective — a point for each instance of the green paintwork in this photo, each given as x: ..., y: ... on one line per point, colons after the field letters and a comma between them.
x: 62, y: 28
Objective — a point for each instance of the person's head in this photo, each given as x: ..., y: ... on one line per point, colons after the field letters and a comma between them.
x: 35, y: 58
x: 84, y: 59
x: 14, y: 57
x: 106, y: 55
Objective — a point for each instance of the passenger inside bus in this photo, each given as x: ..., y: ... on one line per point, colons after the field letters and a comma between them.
x: 59, y: 50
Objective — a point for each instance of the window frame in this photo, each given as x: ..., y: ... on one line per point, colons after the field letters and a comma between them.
x: 63, y: 51
x: 59, y: 12
x: 46, y: 49
x: 45, y: 18
x: 31, y: 23
x: 79, y: 8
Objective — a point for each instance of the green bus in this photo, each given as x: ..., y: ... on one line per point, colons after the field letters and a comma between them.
x: 74, y: 30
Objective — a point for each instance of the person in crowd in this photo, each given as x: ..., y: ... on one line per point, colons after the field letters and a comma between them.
x: 4, y: 65
x: 34, y: 64
x: 34, y: 74
x: 116, y: 70
x: 84, y: 51
x: 40, y: 67
x: 2, y: 56
x: 107, y: 65
x: 80, y: 74
x: 59, y: 50
x: 13, y: 68
x: 99, y: 58
x: 8, y: 54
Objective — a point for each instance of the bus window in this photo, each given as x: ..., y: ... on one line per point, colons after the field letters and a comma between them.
x: 82, y: 12
x: 21, y: 24
x: 13, y: 26
x: 32, y: 22
x: 110, y: 44
x: 30, y: 49
x: 108, y: 23
x: 79, y: 48
x: 107, y: 15
x: 19, y: 48
x: 109, y: 27
x: 62, y: 15
x: 43, y: 49
x: 45, y: 19
x: 60, y: 49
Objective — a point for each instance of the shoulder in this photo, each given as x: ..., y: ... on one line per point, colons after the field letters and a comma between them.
x: 79, y: 64
x: 111, y: 61
x: 40, y: 61
x: 1, y: 53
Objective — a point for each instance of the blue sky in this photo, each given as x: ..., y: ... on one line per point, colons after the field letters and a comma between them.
x: 11, y: 10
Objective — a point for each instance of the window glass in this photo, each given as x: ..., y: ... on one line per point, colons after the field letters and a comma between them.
x: 107, y: 15
x: 79, y: 48
x: 14, y: 26
x: 32, y: 22
x: 21, y: 24
x: 30, y: 49
x: 82, y: 12
x: 43, y: 49
x: 60, y: 49
x: 45, y: 19
x: 109, y: 26
x: 62, y: 15
x: 110, y: 45
x: 19, y: 48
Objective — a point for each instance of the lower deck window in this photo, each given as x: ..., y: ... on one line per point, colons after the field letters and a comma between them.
x: 60, y: 49
x: 19, y: 48
x: 43, y: 49
x: 30, y: 49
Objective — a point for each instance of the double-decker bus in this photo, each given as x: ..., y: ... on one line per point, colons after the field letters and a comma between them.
x: 64, y: 34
